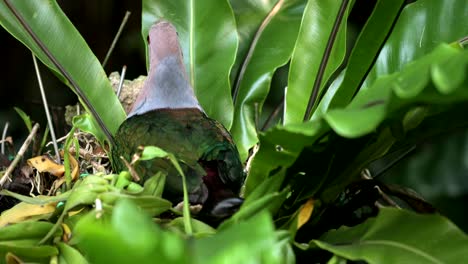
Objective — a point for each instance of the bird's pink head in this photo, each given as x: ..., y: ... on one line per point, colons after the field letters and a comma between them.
x: 167, y: 85
x: 163, y: 42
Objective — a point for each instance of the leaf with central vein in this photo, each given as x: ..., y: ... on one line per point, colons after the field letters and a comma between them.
x: 58, y: 34
x: 421, y: 27
x: 399, y: 236
x: 271, y: 49
x: 207, y: 33
x: 367, y: 46
x: 316, y: 27
x: 249, y: 16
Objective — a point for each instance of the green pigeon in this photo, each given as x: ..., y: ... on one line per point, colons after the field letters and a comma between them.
x: 168, y: 115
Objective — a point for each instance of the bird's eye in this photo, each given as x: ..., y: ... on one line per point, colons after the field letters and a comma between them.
x: 148, y: 39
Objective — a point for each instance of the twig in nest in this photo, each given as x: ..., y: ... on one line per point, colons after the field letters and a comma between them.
x: 5, y: 129
x: 20, y: 154
x: 122, y: 78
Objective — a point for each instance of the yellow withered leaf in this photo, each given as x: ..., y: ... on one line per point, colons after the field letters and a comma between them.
x: 45, y: 164
x: 23, y: 211
x: 305, y: 212
x: 12, y: 259
x: 67, y: 233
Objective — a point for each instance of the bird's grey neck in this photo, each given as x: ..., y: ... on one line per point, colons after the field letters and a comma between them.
x: 166, y: 87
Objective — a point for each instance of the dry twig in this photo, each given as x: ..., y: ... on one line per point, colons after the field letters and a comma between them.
x: 18, y: 156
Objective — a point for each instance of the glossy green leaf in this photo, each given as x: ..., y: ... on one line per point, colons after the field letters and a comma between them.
x: 437, y: 170
x: 155, y: 184
x: 22, y: 240
x: 26, y: 119
x: 270, y: 48
x: 86, y: 192
x: 270, y: 185
x: 152, y: 152
x: 207, y: 32
x: 152, y: 205
x: 449, y: 74
x: 65, y: 43
x: 25, y: 230
x: 27, y: 252
x: 86, y: 123
x: 249, y: 15
x: 252, y: 241
x: 200, y: 229
x: 279, y: 148
x: 391, y: 94
x: 70, y: 254
x: 270, y: 202
x: 316, y: 28
x: 130, y: 235
x: 368, y: 113
x: 399, y: 236
x: 366, y: 48
x: 390, y: 98
x: 421, y: 27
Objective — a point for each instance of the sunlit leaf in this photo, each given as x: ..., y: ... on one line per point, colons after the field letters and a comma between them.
x: 23, y: 211
x: 131, y: 235
x: 151, y: 152
x: 421, y: 27
x: 268, y: 49
x: 229, y: 246
x: 65, y: 43
x: 391, y: 94
x: 316, y: 27
x: 366, y: 48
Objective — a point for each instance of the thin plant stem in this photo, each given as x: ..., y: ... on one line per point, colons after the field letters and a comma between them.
x: 46, y: 108
x: 122, y: 78
x: 5, y: 129
x: 122, y: 25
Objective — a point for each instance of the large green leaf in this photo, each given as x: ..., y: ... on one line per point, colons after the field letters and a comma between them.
x: 130, y: 235
x: 270, y: 48
x: 207, y: 32
x: 390, y: 98
x: 64, y: 42
x: 388, y: 108
x: 399, y: 236
x: 22, y: 240
x: 316, y: 28
x: 252, y: 241
x: 421, y: 81
x: 420, y: 28
x: 279, y: 148
x: 438, y: 169
x: 367, y: 46
x: 249, y: 15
